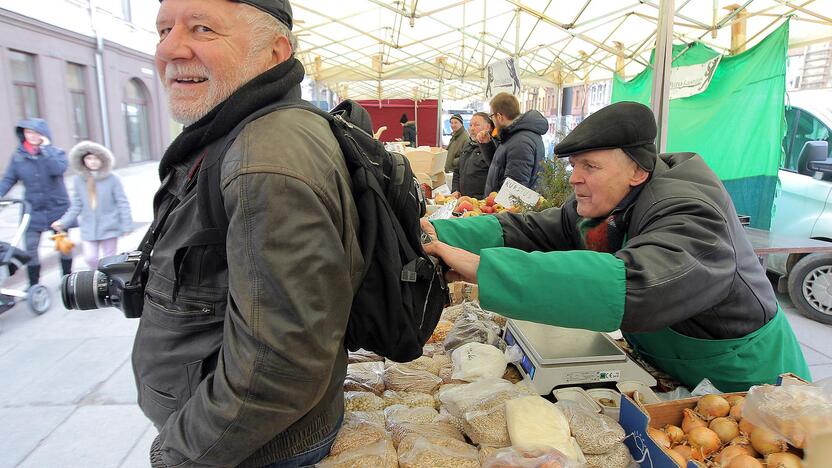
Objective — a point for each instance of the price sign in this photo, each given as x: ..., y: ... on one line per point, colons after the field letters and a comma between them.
x: 512, y: 190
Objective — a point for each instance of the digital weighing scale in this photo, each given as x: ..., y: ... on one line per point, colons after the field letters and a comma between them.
x: 558, y: 357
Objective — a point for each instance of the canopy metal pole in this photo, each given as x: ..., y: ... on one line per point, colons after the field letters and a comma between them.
x: 660, y: 98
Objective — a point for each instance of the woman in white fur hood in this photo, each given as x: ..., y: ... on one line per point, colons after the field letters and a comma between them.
x: 98, y: 202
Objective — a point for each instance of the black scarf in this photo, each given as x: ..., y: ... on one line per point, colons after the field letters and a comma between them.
x: 277, y: 83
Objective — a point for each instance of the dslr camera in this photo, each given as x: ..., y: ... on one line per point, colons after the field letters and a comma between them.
x: 109, y: 286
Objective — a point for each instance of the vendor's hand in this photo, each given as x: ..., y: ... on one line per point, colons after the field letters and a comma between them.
x: 57, y: 226
x: 456, y: 194
x: 463, y: 264
x: 484, y: 136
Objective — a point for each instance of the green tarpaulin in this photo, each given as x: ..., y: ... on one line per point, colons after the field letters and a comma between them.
x: 736, y: 124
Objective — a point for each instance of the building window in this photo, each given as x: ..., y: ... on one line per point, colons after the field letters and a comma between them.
x: 135, y: 112
x: 24, y: 81
x: 78, y: 101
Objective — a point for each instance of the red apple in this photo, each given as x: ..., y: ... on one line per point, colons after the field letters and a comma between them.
x: 490, y: 200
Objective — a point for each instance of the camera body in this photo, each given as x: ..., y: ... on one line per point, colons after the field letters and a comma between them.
x: 109, y: 286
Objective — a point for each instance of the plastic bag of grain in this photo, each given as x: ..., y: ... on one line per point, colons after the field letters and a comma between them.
x: 422, y: 363
x: 365, y: 377
x: 357, y: 432
x: 618, y: 457
x: 372, y: 416
x: 381, y: 454
x: 432, y: 452
x: 400, y: 377
x: 400, y: 414
x: 470, y: 329
x: 596, y: 433
x: 529, y: 457
x: 457, y: 398
x: 485, y: 421
x: 362, y: 355
x: 432, y: 429
x: 441, y: 331
x: 533, y: 421
x: 363, y: 401
x: 477, y: 361
x: 411, y: 399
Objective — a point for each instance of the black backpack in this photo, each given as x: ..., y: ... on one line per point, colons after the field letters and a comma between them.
x: 403, y: 290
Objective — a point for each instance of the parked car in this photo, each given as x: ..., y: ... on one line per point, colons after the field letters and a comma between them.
x: 804, y: 205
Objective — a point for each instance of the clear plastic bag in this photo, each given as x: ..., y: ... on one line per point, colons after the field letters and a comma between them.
x: 452, y: 313
x: 411, y: 399
x: 457, y: 398
x: 533, y: 421
x: 618, y: 457
x: 477, y: 361
x: 422, y: 363
x: 793, y: 411
x: 399, y: 377
x: 380, y: 454
x: 397, y: 414
x: 365, y: 377
x: 362, y: 355
x: 363, y: 401
x: 529, y: 457
x: 441, y: 331
x: 595, y: 433
x: 484, y: 421
x: 440, y: 430
x: 372, y: 416
x: 469, y: 328
x: 427, y: 452
x: 357, y: 432
x: 433, y: 349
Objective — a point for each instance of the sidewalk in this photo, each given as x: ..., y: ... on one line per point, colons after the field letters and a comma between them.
x: 67, y: 395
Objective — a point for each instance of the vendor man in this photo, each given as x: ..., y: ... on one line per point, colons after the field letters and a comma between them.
x: 648, y: 244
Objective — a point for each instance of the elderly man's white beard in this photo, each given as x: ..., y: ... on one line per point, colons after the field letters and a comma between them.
x: 188, y: 113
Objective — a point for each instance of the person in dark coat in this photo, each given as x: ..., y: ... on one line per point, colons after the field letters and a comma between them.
x: 520, y: 152
x: 408, y: 130
x: 40, y: 166
x: 472, y: 170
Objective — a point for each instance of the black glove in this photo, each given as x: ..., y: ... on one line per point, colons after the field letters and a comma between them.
x: 156, y: 460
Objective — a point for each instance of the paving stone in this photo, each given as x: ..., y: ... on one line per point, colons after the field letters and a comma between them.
x: 94, y: 436
x: 138, y: 457
x: 24, y: 428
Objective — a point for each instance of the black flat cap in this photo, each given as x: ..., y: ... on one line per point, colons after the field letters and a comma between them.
x: 280, y: 9
x: 627, y: 125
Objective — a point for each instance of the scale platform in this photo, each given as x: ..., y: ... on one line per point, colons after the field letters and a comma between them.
x: 558, y: 357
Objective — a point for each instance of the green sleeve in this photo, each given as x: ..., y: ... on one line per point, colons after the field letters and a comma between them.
x: 574, y: 289
x: 472, y: 234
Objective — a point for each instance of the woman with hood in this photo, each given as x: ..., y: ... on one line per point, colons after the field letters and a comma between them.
x: 40, y: 166
x: 99, y: 201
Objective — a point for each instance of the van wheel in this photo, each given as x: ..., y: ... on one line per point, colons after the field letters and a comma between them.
x: 810, y: 287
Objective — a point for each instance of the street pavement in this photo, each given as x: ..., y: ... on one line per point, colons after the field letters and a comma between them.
x: 67, y: 396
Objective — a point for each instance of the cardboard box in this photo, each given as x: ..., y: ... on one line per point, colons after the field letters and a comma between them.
x: 636, y: 419
x: 430, y: 162
x: 462, y: 292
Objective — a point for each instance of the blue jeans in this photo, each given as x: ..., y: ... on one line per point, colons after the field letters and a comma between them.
x: 312, y: 455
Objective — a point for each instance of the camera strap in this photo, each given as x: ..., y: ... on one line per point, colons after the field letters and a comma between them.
x: 152, y: 234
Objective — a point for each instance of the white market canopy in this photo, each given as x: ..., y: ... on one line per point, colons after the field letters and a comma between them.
x: 374, y: 49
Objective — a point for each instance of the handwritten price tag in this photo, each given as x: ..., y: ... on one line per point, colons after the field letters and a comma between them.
x: 512, y: 189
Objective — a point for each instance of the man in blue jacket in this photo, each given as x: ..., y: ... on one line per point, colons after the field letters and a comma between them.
x: 520, y: 152
x: 40, y: 166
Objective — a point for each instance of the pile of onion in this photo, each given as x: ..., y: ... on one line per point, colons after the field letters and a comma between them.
x: 715, y: 435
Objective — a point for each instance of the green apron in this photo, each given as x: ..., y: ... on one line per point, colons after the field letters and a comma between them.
x: 731, y: 365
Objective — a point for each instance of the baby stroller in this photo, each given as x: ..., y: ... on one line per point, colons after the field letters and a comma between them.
x: 12, y: 259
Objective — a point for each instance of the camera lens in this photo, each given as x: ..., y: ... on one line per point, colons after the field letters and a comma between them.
x: 81, y: 290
